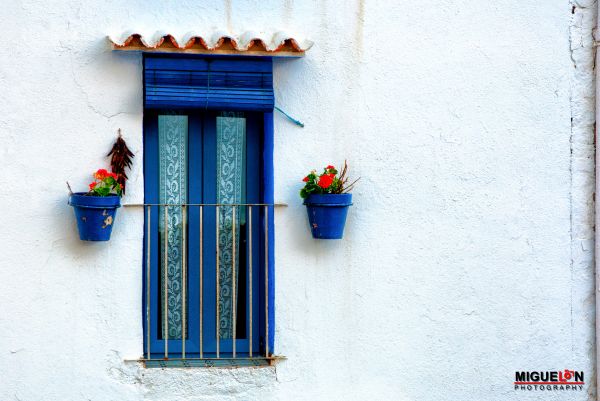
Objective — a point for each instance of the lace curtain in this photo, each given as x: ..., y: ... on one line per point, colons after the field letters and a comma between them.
x: 231, y: 182
x: 172, y: 142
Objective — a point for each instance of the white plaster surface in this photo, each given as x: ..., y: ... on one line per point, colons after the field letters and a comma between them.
x: 468, y: 251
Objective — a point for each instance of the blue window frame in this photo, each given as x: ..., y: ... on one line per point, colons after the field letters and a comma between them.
x: 191, y: 104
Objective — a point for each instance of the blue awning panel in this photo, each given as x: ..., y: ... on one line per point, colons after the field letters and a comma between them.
x: 212, y: 83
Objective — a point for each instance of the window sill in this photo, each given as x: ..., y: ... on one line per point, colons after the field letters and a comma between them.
x: 209, y: 362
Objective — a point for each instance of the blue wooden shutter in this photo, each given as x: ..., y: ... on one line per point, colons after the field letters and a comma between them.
x: 209, y: 83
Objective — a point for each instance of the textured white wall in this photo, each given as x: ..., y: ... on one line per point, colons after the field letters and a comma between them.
x: 467, y: 253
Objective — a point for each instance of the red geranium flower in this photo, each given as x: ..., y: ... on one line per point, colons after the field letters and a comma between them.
x: 325, y: 181
x: 305, y: 179
x: 330, y: 167
x: 101, y: 174
x: 93, y: 185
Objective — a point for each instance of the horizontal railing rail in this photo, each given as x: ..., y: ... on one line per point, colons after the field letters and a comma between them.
x: 204, y: 204
x: 210, y: 360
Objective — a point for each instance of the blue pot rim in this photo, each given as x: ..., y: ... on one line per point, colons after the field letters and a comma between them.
x: 328, y: 200
x: 80, y: 199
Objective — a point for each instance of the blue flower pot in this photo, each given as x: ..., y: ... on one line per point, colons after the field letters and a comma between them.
x: 327, y: 214
x: 95, y: 215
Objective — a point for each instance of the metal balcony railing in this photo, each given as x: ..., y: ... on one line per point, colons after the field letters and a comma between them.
x: 250, y: 357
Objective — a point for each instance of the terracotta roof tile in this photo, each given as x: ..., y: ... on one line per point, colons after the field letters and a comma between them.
x: 248, y: 43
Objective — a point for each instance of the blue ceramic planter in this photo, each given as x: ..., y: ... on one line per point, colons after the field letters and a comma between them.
x: 95, y: 215
x: 327, y: 214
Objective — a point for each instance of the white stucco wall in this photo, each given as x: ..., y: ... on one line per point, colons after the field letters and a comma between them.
x: 468, y: 251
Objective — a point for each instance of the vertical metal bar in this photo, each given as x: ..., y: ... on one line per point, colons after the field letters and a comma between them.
x: 250, y: 257
x: 148, y: 231
x: 183, y: 278
x: 233, y: 300
x: 266, y: 281
x: 217, y: 278
x: 165, y: 284
x: 201, y: 283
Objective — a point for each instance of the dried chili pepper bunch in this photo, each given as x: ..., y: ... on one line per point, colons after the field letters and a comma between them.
x: 121, y: 158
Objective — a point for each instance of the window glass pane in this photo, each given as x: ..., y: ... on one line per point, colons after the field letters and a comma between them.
x: 231, y: 189
x: 172, y: 144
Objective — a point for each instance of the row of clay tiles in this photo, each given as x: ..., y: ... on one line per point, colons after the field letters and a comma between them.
x: 219, y: 43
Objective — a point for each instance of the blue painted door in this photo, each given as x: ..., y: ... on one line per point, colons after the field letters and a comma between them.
x: 208, y: 157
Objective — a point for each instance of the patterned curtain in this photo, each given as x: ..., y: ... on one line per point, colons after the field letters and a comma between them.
x: 172, y: 142
x: 231, y: 182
